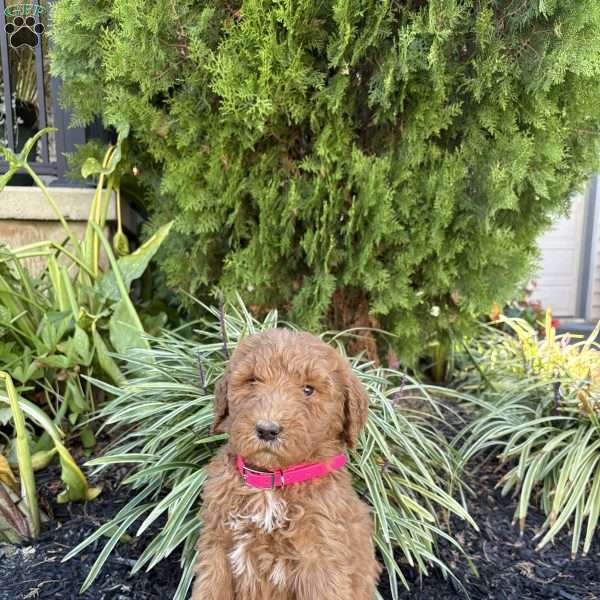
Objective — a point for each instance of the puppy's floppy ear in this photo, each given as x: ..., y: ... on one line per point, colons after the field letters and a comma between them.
x: 221, y: 408
x: 356, y: 407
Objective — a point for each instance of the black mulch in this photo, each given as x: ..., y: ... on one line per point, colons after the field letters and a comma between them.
x: 35, y: 571
x: 509, y: 567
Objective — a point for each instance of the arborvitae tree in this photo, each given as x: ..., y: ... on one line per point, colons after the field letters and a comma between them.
x: 356, y: 161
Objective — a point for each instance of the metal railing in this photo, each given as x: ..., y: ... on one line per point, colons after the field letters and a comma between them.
x: 28, y: 95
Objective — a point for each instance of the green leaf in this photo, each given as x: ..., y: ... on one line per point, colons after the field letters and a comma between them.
x: 88, y: 439
x: 23, y: 453
x: 57, y: 361
x: 126, y: 309
x: 6, y: 177
x: 121, y: 244
x: 123, y: 132
x: 13, y: 165
x: 132, y: 266
x: 42, y: 458
x: 43, y: 442
x: 9, y: 156
x: 76, y: 487
x: 52, y: 328
x: 107, y: 364
x: 30, y: 143
x: 125, y: 334
x: 81, y: 345
x: 29, y: 368
x: 91, y: 166
x: 75, y: 397
x: 69, y: 292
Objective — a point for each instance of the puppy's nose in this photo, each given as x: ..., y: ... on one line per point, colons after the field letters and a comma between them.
x: 267, y: 430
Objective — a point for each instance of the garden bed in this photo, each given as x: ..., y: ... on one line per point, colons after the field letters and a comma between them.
x: 509, y: 567
x: 35, y: 570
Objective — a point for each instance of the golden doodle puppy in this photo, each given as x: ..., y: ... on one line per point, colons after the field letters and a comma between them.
x: 281, y: 519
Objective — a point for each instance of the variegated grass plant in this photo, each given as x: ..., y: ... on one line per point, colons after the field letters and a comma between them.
x: 403, y: 467
x: 540, y: 409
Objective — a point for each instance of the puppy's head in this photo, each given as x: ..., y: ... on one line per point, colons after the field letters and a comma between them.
x: 287, y: 397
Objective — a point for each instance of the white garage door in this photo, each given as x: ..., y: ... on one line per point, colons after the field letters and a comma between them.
x: 560, y: 263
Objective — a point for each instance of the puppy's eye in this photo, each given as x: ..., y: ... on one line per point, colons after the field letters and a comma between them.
x: 252, y: 380
x: 308, y: 390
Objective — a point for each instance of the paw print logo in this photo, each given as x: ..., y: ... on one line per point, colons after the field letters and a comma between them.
x: 24, y: 32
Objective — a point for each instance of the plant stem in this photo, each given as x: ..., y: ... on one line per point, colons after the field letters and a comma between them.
x: 98, y: 211
x: 118, y: 206
x: 133, y: 315
x: 95, y: 218
x: 54, y: 206
x: 60, y: 415
x: 479, y: 369
x: 47, y: 244
x: 23, y: 457
x: 440, y: 356
x: 106, y: 201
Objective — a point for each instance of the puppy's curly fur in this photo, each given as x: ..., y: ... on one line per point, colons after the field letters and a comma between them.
x: 308, y: 541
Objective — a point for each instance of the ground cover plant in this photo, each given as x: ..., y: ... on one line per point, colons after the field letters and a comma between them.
x: 54, y: 329
x: 539, y: 410
x: 162, y: 415
x: 375, y: 164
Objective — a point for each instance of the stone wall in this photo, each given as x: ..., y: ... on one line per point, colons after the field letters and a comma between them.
x: 26, y: 216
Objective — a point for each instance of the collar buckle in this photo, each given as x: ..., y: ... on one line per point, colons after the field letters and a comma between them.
x: 271, y: 474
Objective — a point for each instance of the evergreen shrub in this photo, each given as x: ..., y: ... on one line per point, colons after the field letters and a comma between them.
x: 353, y: 162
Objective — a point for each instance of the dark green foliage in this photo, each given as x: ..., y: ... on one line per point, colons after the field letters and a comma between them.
x: 405, y: 154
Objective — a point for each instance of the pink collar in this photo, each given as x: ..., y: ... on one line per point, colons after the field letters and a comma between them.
x: 283, y: 477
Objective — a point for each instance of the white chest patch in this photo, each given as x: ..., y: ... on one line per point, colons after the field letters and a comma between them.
x: 266, y: 511
x: 274, y: 514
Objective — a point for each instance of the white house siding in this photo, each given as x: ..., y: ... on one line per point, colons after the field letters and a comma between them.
x: 561, y: 254
x: 595, y: 299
